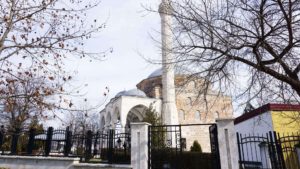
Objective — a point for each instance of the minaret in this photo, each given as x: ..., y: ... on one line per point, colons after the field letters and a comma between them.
x: 169, y: 110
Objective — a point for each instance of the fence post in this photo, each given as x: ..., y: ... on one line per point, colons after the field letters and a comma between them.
x: 110, y: 146
x: 274, y: 152
x: 239, y: 148
x: 30, y: 143
x: 68, y: 139
x: 280, y: 156
x: 95, y: 143
x: 14, y: 141
x: 139, y: 145
x: 1, y: 137
x: 48, y: 141
x: 228, y: 147
x: 88, y: 145
x: 213, y: 130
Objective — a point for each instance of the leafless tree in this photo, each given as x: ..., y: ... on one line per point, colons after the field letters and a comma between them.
x: 232, y: 41
x: 36, y: 36
x: 27, y: 97
x: 82, y: 121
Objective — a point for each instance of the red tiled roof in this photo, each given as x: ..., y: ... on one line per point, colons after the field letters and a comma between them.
x: 265, y: 108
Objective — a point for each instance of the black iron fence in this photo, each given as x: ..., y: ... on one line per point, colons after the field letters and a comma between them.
x: 110, y: 146
x: 192, y: 146
x: 269, y: 151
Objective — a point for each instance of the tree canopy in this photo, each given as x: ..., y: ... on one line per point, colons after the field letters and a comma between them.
x: 36, y: 37
x: 235, y: 41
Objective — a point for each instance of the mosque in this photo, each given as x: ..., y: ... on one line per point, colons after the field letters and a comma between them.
x: 169, y: 92
x: 129, y: 105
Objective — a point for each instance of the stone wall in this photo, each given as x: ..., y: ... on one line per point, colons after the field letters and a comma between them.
x: 102, y: 166
x: 189, y: 100
x: 30, y: 162
x: 199, y: 133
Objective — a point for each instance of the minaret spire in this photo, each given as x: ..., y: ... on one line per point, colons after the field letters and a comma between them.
x: 169, y: 110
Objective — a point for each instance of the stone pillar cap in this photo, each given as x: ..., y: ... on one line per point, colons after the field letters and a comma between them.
x: 141, y: 123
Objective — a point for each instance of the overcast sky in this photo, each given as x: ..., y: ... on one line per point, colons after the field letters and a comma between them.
x: 130, y: 30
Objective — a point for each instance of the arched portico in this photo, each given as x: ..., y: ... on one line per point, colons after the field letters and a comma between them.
x: 102, y: 123
x: 108, y: 121
x: 135, y: 114
x: 116, y: 115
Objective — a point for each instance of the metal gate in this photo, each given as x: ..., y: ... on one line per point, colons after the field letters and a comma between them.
x: 192, y: 146
x: 269, y: 151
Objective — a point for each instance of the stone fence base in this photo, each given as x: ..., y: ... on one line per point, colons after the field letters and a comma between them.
x: 102, y: 166
x: 33, y: 162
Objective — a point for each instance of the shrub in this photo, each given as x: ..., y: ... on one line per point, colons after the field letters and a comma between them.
x: 196, y: 147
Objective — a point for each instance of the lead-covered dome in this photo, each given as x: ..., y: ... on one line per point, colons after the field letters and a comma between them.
x: 178, y: 71
x: 132, y: 92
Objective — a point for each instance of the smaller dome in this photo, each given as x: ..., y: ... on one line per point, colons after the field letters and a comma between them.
x: 156, y: 73
x: 120, y: 93
x: 132, y: 92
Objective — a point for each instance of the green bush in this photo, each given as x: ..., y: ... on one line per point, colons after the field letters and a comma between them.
x: 196, y: 147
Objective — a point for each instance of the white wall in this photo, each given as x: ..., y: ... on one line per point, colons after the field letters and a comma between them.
x: 260, y: 124
x: 128, y: 102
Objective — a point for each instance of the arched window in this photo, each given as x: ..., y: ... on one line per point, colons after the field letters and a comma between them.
x: 181, y: 115
x: 189, y: 101
x: 197, y: 115
x: 217, y: 114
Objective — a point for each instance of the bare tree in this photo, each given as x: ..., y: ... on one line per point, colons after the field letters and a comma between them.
x: 83, y: 120
x: 234, y: 41
x: 44, y: 30
x: 27, y: 97
x: 36, y: 36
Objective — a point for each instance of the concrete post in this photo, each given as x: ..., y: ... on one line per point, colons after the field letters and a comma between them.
x: 227, y: 144
x: 139, y: 145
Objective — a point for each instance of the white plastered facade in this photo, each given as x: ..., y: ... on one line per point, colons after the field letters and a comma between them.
x: 117, y: 111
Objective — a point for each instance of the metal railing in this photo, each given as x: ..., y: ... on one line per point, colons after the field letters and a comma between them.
x: 269, y: 151
x: 102, y: 146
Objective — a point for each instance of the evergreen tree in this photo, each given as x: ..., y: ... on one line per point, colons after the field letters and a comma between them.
x: 196, y: 147
x: 151, y: 116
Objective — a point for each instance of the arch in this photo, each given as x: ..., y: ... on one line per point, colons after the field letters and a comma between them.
x: 102, y: 123
x: 216, y: 114
x: 108, y: 120
x: 193, y: 84
x: 197, y: 115
x: 116, y: 115
x: 189, y: 101
x: 181, y: 114
x: 135, y: 114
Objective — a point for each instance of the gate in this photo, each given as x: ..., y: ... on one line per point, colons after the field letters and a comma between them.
x: 269, y: 151
x: 192, y: 146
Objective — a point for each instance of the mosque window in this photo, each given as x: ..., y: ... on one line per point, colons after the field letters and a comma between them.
x: 189, y: 101
x: 181, y: 115
x: 217, y: 114
x: 193, y: 84
x: 197, y: 115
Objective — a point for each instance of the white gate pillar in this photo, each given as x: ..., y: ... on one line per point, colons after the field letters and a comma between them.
x: 228, y: 147
x: 139, y: 145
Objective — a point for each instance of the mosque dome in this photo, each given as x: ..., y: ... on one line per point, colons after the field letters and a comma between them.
x: 132, y: 92
x: 178, y: 71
